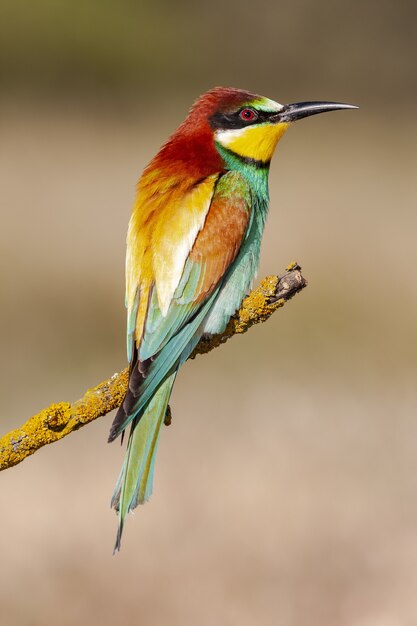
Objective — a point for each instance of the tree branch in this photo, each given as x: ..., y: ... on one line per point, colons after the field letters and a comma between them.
x: 59, y: 420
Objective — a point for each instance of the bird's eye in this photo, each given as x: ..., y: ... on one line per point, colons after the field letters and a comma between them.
x: 248, y: 115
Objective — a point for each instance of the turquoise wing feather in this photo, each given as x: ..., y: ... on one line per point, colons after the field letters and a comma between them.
x: 205, y: 271
x: 169, y: 339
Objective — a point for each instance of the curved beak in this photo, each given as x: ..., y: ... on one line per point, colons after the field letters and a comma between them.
x: 298, y: 110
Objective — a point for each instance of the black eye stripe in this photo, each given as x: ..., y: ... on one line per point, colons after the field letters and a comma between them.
x: 226, y: 121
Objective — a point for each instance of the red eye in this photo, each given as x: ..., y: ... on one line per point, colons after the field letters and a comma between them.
x: 248, y: 115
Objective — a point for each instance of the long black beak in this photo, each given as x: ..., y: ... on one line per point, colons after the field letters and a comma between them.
x: 298, y: 110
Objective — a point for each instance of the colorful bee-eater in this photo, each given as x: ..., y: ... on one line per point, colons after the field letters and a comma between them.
x: 192, y: 253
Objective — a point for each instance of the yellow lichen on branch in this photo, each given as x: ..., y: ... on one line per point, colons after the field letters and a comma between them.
x: 59, y: 420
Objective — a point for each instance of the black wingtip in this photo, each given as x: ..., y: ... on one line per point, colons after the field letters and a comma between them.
x: 117, y: 422
x: 112, y: 435
x: 118, y: 543
x: 116, y: 427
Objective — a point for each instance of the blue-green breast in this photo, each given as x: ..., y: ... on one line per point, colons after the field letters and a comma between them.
x: 240, y: 276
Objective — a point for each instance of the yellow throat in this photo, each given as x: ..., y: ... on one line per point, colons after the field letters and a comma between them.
x: 253, y: 142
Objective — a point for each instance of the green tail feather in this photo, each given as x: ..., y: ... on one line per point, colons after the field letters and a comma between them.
x: 134, y: 485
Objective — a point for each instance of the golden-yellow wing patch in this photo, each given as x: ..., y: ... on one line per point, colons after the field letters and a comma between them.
x: 166, y: 219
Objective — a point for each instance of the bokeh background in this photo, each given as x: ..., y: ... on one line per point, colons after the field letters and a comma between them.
x: 286, y: 488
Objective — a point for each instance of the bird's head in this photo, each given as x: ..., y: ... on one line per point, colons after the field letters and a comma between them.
x: 227, y: 123
x: 249, y: 125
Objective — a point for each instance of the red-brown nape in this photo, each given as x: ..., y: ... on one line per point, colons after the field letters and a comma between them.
x: 190, y: 150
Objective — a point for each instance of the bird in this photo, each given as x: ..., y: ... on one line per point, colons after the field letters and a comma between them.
x: 193, y: 247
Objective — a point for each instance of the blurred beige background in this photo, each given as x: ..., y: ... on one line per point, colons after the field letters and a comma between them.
x: 286, y: 488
